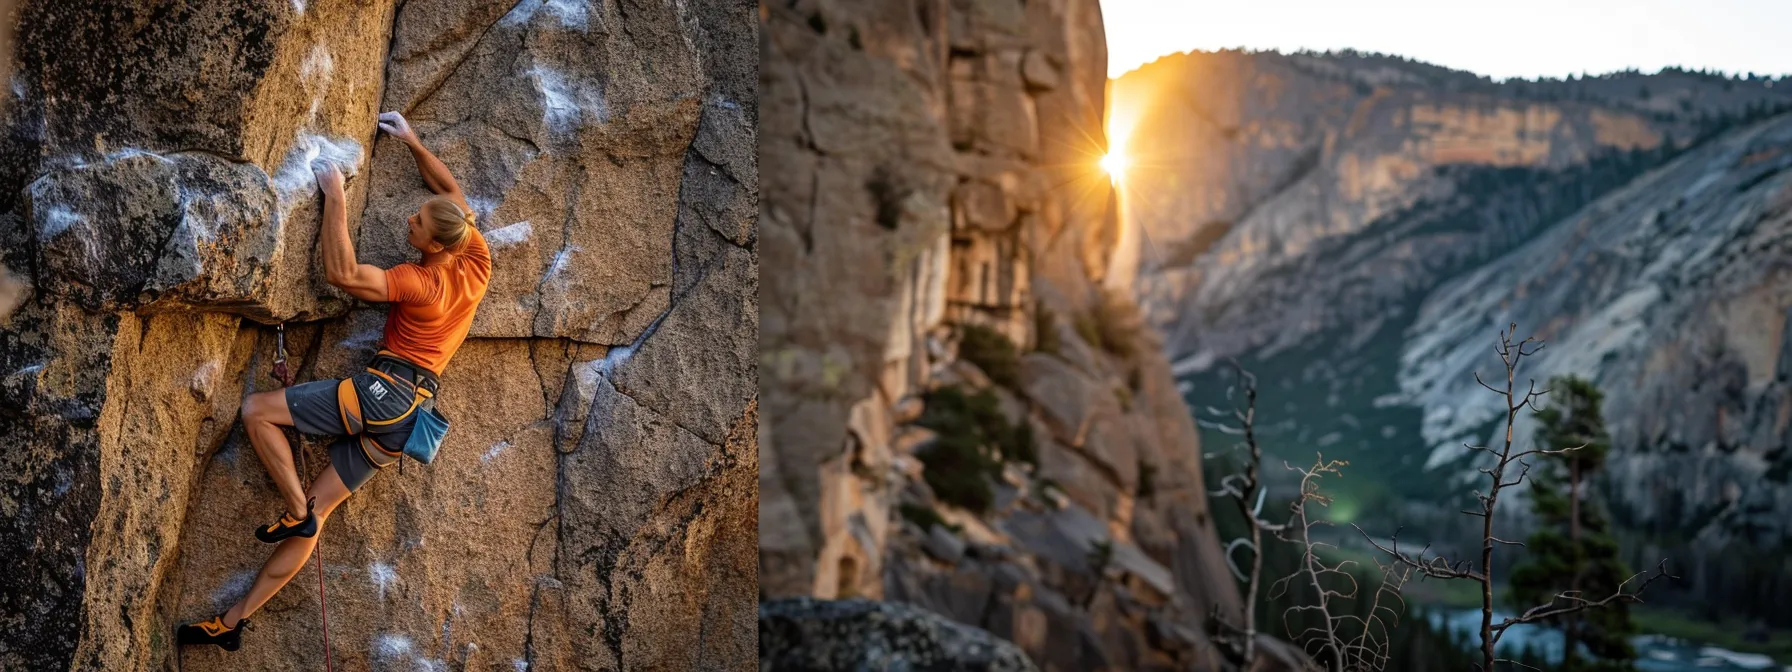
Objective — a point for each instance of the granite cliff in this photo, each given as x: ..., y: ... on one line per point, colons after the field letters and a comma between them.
x: 958, y: 415
x: 593, y: 505
x: 1357, y: 228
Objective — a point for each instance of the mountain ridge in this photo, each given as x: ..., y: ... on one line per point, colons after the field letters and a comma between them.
x: 1344, y: 215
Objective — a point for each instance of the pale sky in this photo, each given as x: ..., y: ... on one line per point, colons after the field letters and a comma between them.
x: 1515, y: 38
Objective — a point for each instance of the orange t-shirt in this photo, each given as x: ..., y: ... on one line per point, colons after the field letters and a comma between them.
x: 432, y: 306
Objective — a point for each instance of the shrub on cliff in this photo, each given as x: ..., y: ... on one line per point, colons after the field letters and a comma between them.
x: 974, y: 439
x: 992, y: 352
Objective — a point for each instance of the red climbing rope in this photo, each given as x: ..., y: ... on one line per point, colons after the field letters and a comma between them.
x: 284, y: 375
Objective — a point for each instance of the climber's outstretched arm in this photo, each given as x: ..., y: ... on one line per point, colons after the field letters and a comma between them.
x: 435, y: 173
x: 362, y: 281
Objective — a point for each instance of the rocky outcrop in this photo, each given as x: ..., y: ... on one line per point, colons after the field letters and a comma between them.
x: 935, y: 184
x: 1356, y: 228
x: 590, y: 509
x: 806, y: 634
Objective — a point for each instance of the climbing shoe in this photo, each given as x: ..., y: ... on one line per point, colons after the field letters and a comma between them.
x: 212, y: 631
x: 288, y: 526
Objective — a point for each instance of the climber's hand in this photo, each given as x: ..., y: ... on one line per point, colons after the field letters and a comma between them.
x: 329, y: 178
x: 395, y: 125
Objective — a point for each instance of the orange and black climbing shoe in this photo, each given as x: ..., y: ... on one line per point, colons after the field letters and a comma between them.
x: 212, y: 631
x: 289, y: 526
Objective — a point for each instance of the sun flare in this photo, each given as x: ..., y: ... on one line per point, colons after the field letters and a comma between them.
x: 1115, y: 165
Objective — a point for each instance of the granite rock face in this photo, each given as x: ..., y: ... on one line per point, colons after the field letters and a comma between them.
x: 593, y: 505
x: 1671, y: 293
x: 931, y: 167
x: 1269, y: 168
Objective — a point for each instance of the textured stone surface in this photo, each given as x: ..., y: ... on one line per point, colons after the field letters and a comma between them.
x: 838, y: 121
x: 808, y: 634
x: 243, y: 95
x: 931, y: 165
x: 593, y: 506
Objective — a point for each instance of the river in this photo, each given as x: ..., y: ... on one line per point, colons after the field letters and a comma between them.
x: 1655, y: 653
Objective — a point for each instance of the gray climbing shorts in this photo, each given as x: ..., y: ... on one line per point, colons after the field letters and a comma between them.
x: 369, y: 422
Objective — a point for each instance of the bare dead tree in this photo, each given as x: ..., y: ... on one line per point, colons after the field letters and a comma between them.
x: 1365, y: 651
x: 1246, y: 490
x: 1370, y: 648
x: 1506, y: 462
x: 1314, y: 571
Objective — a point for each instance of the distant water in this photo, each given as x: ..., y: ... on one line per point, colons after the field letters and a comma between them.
x: 1655, y: 653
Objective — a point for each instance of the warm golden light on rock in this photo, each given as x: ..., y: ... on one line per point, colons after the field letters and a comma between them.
x: 1121, y: 120
x: 1115, y: 165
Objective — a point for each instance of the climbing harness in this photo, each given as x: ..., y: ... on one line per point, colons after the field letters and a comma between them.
x: 284, y: 375
x: 425, y: 434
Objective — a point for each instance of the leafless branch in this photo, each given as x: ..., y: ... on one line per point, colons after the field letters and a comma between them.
x: 1516, y: 663
x: 1576, y: 603
x: 1240, y: 641
x: 1437, y: 567
x: 1541, y: 451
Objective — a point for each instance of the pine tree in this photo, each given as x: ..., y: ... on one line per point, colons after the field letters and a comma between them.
x: 1573, y: 548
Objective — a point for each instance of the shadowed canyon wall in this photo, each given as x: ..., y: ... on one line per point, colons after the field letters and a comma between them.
x: 931, y: 171
x: 593, y: 505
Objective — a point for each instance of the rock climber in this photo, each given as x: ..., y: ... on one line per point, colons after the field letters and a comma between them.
x: 371, y: 414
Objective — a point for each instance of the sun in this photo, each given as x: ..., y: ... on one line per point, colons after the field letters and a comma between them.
x: 1115, y: 165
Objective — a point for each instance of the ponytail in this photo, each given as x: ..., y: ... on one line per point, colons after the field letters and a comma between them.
x: 448, y: 223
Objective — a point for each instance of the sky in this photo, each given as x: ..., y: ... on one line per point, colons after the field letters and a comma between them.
x: 1515, y: 38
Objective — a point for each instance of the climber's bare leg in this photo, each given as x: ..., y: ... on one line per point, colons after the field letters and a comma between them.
x: 264, y: 413
x: 290, y: 556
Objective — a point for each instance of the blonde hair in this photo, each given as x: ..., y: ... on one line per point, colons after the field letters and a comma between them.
x: 448, y: 223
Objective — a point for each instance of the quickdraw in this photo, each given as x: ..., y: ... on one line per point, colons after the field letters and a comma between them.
x: 284, y: 374
x: 281, y: 373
